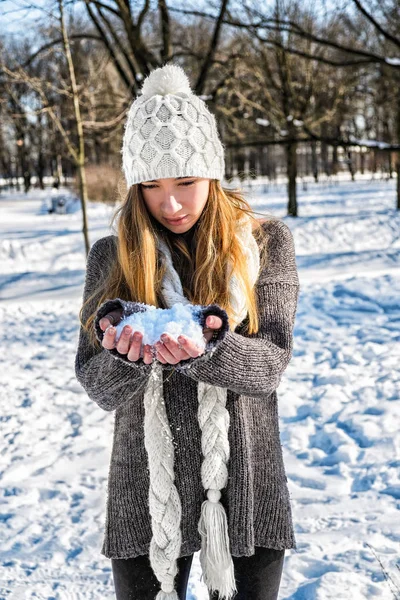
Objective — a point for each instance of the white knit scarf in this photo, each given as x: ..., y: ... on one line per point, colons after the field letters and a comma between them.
x: 164, y: 501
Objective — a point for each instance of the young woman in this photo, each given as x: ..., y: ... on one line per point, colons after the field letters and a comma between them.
x: 196, y: 461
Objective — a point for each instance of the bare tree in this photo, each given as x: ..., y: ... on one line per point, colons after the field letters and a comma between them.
x: 61, y: 99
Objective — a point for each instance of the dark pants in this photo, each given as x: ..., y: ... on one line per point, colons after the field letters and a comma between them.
x: 257, y: 577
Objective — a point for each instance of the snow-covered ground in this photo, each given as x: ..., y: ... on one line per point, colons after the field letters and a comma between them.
x: 339, y: 401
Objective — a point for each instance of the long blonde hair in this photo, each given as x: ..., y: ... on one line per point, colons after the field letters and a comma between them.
x: 137, y: 273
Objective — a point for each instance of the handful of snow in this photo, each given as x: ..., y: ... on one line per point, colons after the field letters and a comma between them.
x: 180, y: 319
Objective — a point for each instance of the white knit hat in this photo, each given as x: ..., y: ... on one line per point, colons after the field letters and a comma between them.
x: 170, y: 132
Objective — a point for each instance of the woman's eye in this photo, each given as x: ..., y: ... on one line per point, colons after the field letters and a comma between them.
x: 149, y: 187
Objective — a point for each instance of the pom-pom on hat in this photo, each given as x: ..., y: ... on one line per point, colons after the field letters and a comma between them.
x: 170, y: 131
x: 170, y: 79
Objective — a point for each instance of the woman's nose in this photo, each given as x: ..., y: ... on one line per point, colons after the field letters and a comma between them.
x: 170, y: 205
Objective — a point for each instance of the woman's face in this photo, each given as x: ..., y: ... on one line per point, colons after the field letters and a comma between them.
x: 176, y: 202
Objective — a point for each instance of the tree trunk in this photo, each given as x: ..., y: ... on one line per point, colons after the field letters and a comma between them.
x: 40, y: 168
x: 59, y: 168
x: 291, y: 161
x: 240, y: 165
x: 335, y: 160
x: 314, y: 161
x: 24, y: 165
x: 79, y: 126
x: 390, y: 165
x: 83, y: 195
x: 324, y: 158
x: 27, y: 181
x: 350, y: 164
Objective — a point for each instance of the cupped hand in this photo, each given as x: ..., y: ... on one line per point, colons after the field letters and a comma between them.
x: 170, y: 351
x: 128, y: 344
x: 167, y: 350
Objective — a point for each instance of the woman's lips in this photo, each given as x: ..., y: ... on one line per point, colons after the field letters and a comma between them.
x: 176, y: 221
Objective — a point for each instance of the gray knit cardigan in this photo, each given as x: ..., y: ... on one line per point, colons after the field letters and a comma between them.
x: 250, y: 366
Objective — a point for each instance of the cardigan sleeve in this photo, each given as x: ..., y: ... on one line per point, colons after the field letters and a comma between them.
x: 253, y: 364
x: 107, y: 381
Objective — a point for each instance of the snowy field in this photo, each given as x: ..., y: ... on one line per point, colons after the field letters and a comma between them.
x: 339, y: 402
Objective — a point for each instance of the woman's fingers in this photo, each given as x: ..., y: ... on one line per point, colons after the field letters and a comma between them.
x: 190, y: 347
x: 136, y: 346
x: 108, y: 341
x: 173, y: 352
x: 147, y: 354
x: 161, y: 353
x: 128, y: 344
x: 123, y: 343
x: 111, y: 318
x: 168, y: 351
x: 214, y: 322
x: 164, y: 355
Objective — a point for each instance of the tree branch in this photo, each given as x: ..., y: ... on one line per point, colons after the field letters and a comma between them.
x: 104, y: 39
x: 200, y: 84
x: 166, y: 50
x: 375, y: 23
x: 295, y: 29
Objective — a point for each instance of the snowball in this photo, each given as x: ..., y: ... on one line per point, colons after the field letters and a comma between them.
x: 180, y: 319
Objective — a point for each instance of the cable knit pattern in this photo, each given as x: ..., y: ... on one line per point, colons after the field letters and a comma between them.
x: 164, y: 501
x: 170, y: 132
x: 250, y: 367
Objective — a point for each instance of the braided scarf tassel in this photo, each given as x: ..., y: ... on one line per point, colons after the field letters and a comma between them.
x: 215, y: 557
